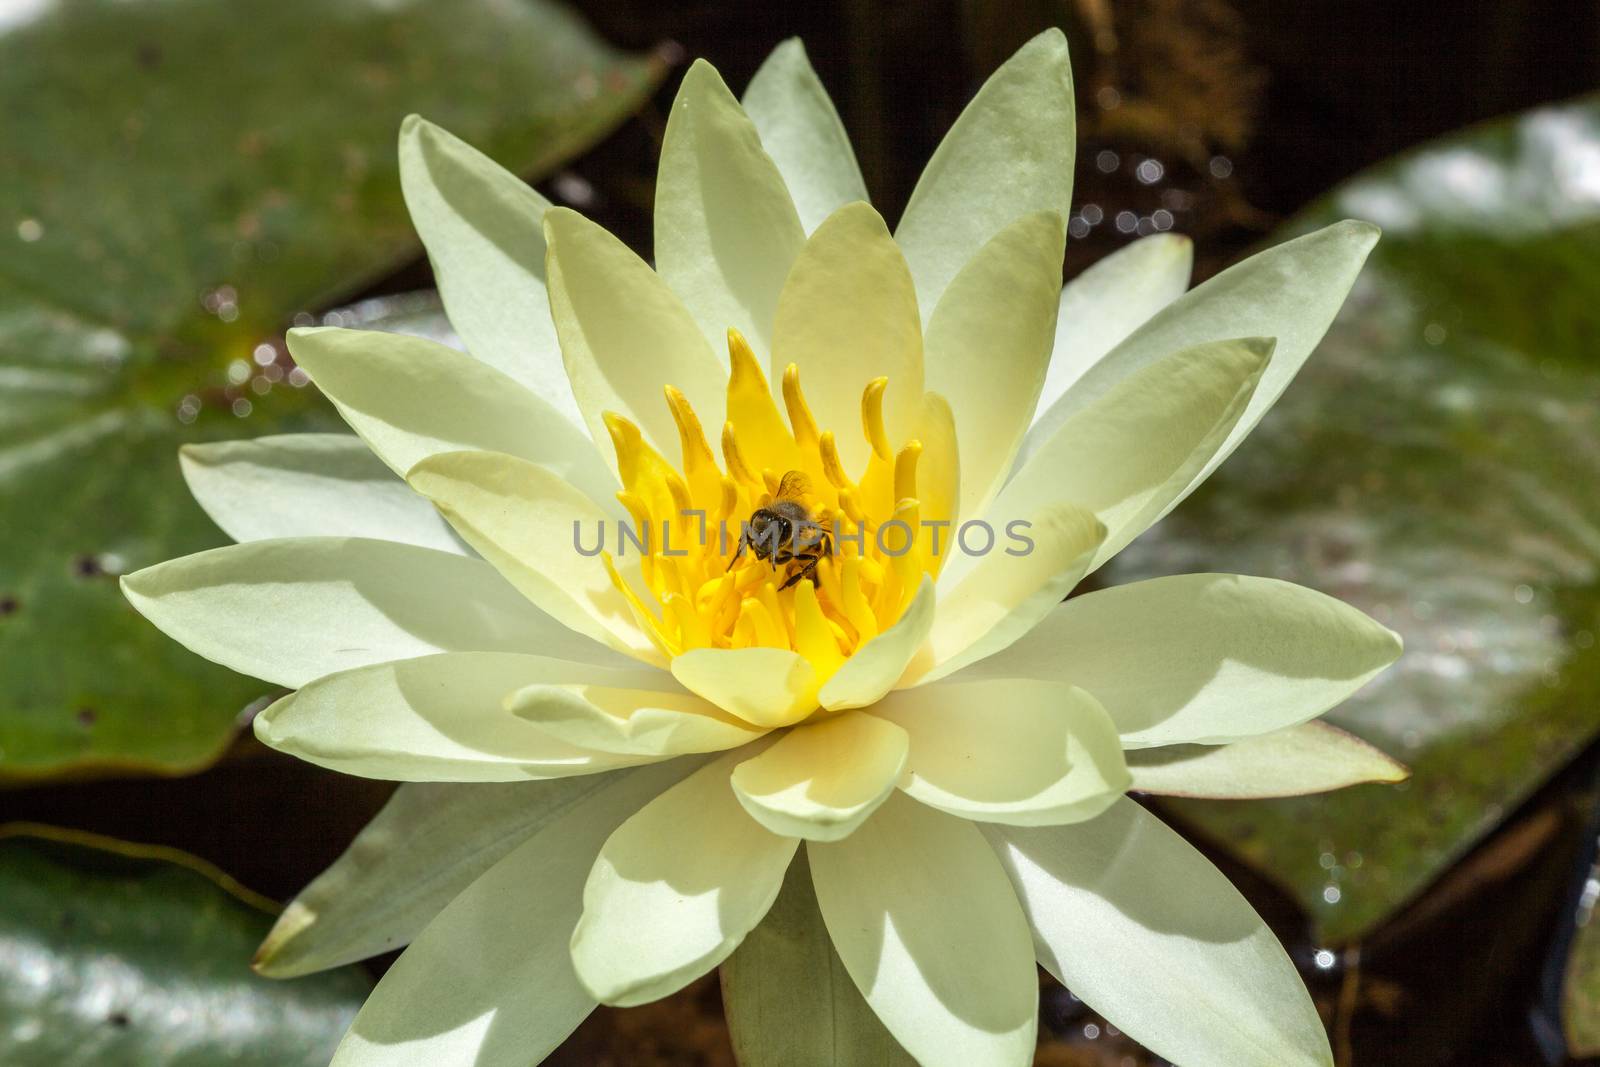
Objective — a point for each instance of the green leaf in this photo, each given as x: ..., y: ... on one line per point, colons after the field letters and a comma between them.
x: 1434, y: 467
x: 139, y: 956
x: 1581, y: 995
x: 788, y: 998
x: 238, y: 167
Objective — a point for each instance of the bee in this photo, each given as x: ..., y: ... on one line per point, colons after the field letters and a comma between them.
x: 783, y: 532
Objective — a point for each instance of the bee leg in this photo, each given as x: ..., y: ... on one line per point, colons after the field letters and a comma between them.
x: 743, y: 542
x: 808, y: 571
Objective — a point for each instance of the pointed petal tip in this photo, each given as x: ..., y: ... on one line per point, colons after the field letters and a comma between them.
x: 702, y: 76
x: 1360, y: 231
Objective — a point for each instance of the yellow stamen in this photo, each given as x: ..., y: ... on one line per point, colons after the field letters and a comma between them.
x: 832, y: 466
x: 800, y: 420
x: 699, y: 465
x: 737, y: 466
x: 872, y: 417
x: 905, y: 471
x: 696, y: 586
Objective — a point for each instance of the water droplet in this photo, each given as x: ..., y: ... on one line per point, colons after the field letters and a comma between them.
x: 1162, y: 219
x: 574, y: 189
x: 1149, y: 171
x: 1324, y: 959
x: 241, y: 407
x: 1221, y: 166
x: 1524, y: 594
x: 1091, y: 1031
x: 1107, y: 161
x: 238, y: 372
x: 1092, y: 214
x: 298, y: 378
x: 1078, y: 228
x: 264, y: 355
x: 1331, y: 894
x: 1127, y: 222
x: 30, y: 230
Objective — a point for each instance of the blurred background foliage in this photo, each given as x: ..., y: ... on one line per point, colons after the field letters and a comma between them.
x: 182, y: 180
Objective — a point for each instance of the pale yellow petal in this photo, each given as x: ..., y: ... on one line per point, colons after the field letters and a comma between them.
x: 611, y: 718
x: 989, y: 342
x: 1010, y: 153
x: 927, y: 925
x: 822, y: 780
x: 410, y: 398
x: 1033, y: 565
x: 1102, y: 306
x: 624, y: 335
x: 483, y: 228
x: 877, y: 665
x: 675, y: 889
x: 769, y: 687
x: 802, y: 133
x: 848, y: 315
x: 1009, y: 750
x: 291, y: 610
x: 1204, y: 658
x: 726, y: 229
x: 1314, y: 757
x: 430, y: 719
x: 525, y: 520
x: 1132, y: 452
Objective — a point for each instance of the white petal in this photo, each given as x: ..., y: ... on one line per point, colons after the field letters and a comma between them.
x: 876, y: 666
x: 527, y: 522
x: 489, y: 983
x: 932, y: 934
x: 1009, y: 154
x: 726, y: 228
x: 484, y: 231
x: 309, y: 485
x: 1140, y: 926
x: 988, y: 345
x: 1009, y: 589
x: 675, y: 889
x: 821, y: 780
x: 1009, y: 750
x: 802, y: 133
x: 1102, y: 306
x: 410, y: 398
x: 770, y: 687
x: 1204, y: 658
x: 431, y: 719
x: 1129, y: 454
x: 1313, y: 757
x: 427, y: 844
x: 625, y: 336
x: 658, y: 721
x: 293, y: 610
x: 848, y: 314
x: 1290, y: 292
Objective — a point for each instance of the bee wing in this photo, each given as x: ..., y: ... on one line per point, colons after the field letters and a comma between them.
x: 794, y: 486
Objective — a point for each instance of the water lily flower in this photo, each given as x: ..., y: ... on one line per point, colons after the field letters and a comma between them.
x: 615, y: 756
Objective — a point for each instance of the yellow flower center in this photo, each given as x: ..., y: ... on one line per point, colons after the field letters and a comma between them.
x: 719, y: 572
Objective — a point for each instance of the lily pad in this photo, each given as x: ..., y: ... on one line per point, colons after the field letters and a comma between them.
x: 1435, y: 465
x: 186, y: 179
x: 136, y: 956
